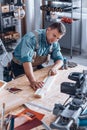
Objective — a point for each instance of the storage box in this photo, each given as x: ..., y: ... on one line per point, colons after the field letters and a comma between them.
x: 7, y: 22
x: 16, y: 35
x: 7, y: 36
x: 11, y: 7
x: 5, y: 8
x: 14, y: 21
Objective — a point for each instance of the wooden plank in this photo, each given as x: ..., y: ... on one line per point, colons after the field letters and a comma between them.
x: 53, y: 96
x: 13, y: 101
x: 48, y: 82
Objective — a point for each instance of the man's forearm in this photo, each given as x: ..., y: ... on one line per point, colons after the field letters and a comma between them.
x: 57, y: 65
x: 29, y: 71
x: 30, y: 75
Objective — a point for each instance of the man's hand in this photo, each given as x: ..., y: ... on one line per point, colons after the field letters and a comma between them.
x: 53, y: 72
x: 35, y: 84
x: 57, y: 65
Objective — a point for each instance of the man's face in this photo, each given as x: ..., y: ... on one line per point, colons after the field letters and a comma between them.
x: 52, y: 35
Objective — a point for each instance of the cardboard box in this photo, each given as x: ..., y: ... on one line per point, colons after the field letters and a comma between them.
x: 5, y: 8
x: 16, y: 35
x: 7, y: 22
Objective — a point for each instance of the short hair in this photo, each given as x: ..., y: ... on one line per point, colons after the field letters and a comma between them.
x: 59, y: 26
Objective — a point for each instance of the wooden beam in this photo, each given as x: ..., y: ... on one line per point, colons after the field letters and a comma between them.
x: 48, y: 82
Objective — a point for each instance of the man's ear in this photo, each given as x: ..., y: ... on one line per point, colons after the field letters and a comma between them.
x: 48, y: 28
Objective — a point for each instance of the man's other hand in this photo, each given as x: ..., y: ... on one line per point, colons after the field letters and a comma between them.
x: 52, y: 72
x: 36, y: 84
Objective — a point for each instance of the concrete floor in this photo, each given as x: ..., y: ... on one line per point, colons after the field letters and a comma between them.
x: 80, y: 59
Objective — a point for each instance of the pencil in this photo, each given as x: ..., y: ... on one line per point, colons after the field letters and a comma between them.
x: 2, y: 117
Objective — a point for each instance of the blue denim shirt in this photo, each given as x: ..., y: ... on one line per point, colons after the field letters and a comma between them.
x: 25, y: 50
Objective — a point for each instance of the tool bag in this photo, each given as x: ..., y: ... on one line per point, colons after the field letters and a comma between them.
x: 7, y: 73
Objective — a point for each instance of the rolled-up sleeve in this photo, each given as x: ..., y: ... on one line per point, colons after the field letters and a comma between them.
x: 56, y: 53
x: 27, y: 49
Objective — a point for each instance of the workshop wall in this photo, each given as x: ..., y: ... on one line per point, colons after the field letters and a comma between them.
x: 84, y: 26
x: 84, y: 3
x: 2, y: 1
x: 33, y: 15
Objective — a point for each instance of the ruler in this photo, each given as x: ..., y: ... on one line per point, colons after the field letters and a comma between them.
x: 48, y: 82
x: 28, y: 104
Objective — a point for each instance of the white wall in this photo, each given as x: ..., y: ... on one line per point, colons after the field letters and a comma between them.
x: 84, y: 30
x: 33, y: 14
x: 29, y: 8
x: 1, y: 1
x: 37, y: 14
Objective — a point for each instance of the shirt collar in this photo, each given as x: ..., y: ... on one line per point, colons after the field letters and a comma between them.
x: 44, y: 38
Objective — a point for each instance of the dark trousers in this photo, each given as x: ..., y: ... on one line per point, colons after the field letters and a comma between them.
x: 17, y: 69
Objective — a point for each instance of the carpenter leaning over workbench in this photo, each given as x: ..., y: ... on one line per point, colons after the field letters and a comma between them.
x: 36, y: 48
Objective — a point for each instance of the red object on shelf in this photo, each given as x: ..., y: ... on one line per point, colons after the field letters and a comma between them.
x: 67, y: 20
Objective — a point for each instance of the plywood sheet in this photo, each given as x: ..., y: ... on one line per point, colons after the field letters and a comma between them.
x: 48, y: 82
x: 13, y: 101
x: 53, y: 96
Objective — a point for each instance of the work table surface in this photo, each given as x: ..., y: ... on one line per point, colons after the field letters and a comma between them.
x: 15, y: 101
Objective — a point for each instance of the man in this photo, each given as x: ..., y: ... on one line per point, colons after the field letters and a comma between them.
x: 36, y: 46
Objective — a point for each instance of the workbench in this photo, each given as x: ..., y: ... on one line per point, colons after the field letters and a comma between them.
x: 14, y: 102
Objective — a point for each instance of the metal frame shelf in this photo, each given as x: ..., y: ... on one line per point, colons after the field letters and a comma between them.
x: 73, y: 6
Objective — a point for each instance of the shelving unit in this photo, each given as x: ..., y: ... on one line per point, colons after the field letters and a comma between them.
x: 70, y: 13
x: 8, y: 24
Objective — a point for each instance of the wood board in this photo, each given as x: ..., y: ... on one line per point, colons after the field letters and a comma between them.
x: 27, y: 94
x: 12, y: 100
x: 48, y: 82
